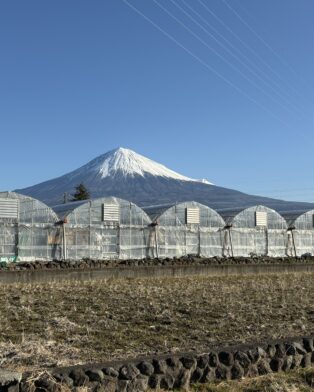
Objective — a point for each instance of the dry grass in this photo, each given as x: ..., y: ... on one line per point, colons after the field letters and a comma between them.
x: 294, y: 381
x: 61, y: 324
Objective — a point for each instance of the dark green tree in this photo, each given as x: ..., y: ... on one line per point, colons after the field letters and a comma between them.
x: 81, y: 193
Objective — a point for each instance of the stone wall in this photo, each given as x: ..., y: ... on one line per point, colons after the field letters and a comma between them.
x: 85, y: 274
x: 169, y: 371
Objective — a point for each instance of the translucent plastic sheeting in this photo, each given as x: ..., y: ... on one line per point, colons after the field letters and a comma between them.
x: 244, y: 238
x: 31, y: 235
x: 174, y: 237
x: 89, y: 235
x: 301, y: 237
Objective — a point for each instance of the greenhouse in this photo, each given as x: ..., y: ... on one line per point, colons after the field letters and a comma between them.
x: 188, y: 228
x: 28, y: 229
x: 300, y: 232
x: 254, y: 231
x: 104, y: 228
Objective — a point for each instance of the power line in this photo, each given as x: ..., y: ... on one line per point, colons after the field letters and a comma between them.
x: 205, y: 64
x: 248, y: 47
x: 259, y: 37
x: 219, y: 55
x: 252, y: 64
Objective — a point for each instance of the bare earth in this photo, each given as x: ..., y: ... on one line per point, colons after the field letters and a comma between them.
x: 62, y: 324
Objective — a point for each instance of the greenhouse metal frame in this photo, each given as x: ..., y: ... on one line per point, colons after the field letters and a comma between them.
x: 254, y: 231
x: 28, y: 229
x: 104, y: 228
x: 300, y: 232
x: 187, y: 228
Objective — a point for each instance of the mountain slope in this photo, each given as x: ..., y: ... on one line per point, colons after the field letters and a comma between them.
x: 126, y: 174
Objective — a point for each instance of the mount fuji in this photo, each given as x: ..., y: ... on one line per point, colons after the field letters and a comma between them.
x: 124, y: 173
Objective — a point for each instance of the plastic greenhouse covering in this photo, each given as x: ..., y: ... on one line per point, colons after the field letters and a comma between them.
x: 254, y: 231
x: 105, y: 228
x: 301, y: 232
x: 28, y: 229
x: 112, y: 228
x: 188, y: 228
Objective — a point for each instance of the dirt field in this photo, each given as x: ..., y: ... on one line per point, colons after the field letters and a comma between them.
x: 62, y: 324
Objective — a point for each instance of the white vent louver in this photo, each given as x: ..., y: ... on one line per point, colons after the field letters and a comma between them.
x: 260, y: 218
x: 193, y: 216
x: 111, y: 212
x: 9, y: 208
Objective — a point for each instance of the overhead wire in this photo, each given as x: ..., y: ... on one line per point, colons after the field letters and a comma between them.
x: 283, y: 61
x: 260, y: 58
x: 204, y: 63
x: 223, y: 58
x: 252, y: 67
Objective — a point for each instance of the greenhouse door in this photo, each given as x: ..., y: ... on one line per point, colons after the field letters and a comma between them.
x: 110, y: 242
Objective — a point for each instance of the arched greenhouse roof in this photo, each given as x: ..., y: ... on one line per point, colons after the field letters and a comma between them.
x: 300, y: 220
x: 110, y: 209
x: 254, y: 216
x: 184, y: 213
x: 25, y: 209
x: 295, y: 217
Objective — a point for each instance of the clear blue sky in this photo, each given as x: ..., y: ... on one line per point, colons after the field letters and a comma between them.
x: 79, y: 78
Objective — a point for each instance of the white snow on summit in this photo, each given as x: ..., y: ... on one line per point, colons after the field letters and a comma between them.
x: 129, y: 163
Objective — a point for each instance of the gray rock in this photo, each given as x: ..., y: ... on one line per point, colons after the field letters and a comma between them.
x: 280, y: 350
x: 111, y: 372
x: 296, y: 361
x: 154, y: 381
x: 307, y: 360
x: 237, y: 371
x: 146, y: 368
x: 64, y: 379
x: 276, y: 364
x: 128, y: 372
x: 188, y: 362
x: 263, y: 367
x: 160, y: 366
x: 299, y: 348
x: 261, y: 352
x: 287, y: 363
x: 271, y: 350
x: 226, y: 358
x: 213, y: 359
x: 7, y: 377
x: 166, y: 381
x: 183, y: 379
x: 139, y: 384
x: 48, y: 385
x: 209, y: 375
x: 174, y: 363
x: 95, y: 375
x: 253, y: 355
x: 308, y: 344
x: 202, y: 361
x: 79, y: 377
x: 223, y: 372
x: 197, y: 375
x: 243, y: 359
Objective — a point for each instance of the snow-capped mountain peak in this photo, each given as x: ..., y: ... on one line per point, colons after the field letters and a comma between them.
x: 129, y: 163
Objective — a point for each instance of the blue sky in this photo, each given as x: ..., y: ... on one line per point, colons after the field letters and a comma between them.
x: 216, y: 89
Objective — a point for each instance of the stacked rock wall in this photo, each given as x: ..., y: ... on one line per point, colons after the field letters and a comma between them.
x: 171, y: 371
